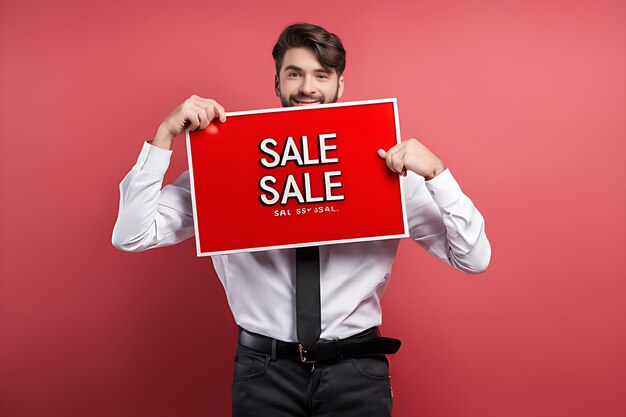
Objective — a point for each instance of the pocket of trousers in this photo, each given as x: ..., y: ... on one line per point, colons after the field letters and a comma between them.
x: 249, y: 366
x: 373, y: 367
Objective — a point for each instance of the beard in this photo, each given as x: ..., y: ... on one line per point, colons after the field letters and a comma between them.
x: 287, y: 101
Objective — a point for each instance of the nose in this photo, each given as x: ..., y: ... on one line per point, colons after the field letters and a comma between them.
x: 308, y: 87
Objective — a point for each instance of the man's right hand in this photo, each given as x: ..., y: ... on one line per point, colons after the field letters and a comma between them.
x: 195, y: 113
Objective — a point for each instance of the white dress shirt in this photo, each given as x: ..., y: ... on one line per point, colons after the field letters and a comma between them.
x: 260, y: 286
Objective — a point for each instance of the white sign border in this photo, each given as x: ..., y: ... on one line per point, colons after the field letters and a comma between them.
x: 393, y: 100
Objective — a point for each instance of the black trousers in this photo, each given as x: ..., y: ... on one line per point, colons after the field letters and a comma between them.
x: 283, y: 387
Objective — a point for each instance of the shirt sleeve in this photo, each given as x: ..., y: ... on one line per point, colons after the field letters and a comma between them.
x: 445, y: 222
x: 150, y: 216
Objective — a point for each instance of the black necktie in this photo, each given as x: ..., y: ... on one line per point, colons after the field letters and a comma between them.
x: 308, y: 321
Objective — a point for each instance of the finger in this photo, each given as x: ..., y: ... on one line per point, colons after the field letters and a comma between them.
x: 388, y: 156
x: 397, y: 160
x: 209, y: 114
x: 192, y: 116
x: 217, y: 109
x: 383, y: 153
x: 395, y: 148
x: 389, y: 160
x: 221, y: 112
x: 197, y: 99
x: 202, y: 115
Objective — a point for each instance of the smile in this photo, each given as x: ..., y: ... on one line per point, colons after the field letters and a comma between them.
x: 306, y: 103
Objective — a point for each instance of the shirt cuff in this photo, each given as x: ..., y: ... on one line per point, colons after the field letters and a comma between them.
x: 444, y: 189
x: 153, y: 159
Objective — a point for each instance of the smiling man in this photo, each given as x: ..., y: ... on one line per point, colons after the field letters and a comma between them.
x: 305, y: 83
x: 303, y: 351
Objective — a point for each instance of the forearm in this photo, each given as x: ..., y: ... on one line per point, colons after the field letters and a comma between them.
x: 163, y: 139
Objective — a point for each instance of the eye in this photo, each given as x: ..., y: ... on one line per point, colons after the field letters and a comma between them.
x: 293, y: 74
x: 322, y: 76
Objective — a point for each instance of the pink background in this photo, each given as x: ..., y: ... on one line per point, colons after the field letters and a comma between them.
x: 524, y: 101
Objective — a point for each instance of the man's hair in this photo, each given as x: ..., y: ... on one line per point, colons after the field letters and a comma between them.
x: 326, y: 46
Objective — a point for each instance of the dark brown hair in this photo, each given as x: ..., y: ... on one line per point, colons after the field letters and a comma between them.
x: 326, y: 46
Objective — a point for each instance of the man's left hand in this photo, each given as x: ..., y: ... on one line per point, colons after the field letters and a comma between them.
x: 412, y: 155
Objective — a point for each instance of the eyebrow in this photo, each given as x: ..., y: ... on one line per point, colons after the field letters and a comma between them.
x: 293, y: 67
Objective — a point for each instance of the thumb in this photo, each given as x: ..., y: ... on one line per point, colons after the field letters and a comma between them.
x: 382, y: 153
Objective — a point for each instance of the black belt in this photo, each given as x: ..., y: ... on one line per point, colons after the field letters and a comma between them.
x: 361, y: 344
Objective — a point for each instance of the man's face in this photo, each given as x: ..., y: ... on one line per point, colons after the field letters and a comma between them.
x: 303, y: 81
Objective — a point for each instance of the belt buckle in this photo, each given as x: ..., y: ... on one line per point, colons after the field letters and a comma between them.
x: 303, y: 352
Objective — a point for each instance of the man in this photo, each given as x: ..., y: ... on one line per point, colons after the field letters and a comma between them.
x: 272, y: 376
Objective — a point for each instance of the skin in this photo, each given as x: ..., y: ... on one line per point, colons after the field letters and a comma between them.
x: 302, y: 81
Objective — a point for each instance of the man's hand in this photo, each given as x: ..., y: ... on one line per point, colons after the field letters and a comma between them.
x: 195, y: 113
x: 412, y: 155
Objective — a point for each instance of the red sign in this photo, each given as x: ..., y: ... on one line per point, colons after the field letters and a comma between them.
x: 296, y: 176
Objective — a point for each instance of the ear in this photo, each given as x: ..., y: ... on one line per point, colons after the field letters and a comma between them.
x: 277, y: 85
x: 340, y: 91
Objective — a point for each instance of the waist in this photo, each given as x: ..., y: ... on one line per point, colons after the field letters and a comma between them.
x: 367, y: 342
